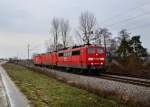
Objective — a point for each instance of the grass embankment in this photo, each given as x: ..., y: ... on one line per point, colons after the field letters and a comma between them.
x: 132, y: 66
x: 44, y: 91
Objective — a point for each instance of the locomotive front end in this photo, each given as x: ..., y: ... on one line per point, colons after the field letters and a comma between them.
x: 96, y: 57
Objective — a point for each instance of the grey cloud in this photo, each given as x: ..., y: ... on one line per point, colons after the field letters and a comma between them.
x: 32, y: 17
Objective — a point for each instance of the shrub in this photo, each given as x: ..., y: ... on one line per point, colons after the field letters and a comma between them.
x: 147, y: 64
x: 133, y: 63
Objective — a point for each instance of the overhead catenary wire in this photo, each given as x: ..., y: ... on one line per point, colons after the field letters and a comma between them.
x: 132, y: 23
x: 129, y: 19
x: 122, y: 13
x: 138, y: 27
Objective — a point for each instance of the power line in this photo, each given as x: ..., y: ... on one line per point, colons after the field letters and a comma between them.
x: 123, y: 25
x: 129, y: 19
x: 122, y: 14
x: 28, y: 46
x: 137, y: 27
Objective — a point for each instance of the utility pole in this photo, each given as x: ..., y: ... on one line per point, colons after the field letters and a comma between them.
x: 28, y: 46
x: 105, y: 43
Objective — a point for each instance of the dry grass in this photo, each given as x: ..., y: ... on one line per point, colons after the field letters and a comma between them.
x: 44, y: 91
x: 132, y: 67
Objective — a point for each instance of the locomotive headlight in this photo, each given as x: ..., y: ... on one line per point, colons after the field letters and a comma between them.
x: 101, y: 59
x: 90, y: 59
x: 92, y: 63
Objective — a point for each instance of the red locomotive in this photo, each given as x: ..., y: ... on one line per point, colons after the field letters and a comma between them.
x: 86, y: 57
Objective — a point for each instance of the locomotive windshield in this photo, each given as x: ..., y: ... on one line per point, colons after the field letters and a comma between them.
x: 100, y: 50
x: 91, y: 50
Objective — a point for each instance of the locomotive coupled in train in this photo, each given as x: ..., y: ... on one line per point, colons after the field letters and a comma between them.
x: 83, y: 57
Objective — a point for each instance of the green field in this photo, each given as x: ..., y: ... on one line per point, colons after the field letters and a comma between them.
x: 44, y: 91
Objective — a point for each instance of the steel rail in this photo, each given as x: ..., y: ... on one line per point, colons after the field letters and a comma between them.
x: 135, y: 81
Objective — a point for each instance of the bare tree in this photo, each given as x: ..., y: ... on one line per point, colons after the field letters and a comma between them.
x: 64, y: 29
x: 104, y: 32
x: 78, y: 38
x: 71, y: 41
x: 59, y: 46
x: 87, y: 23
x: 124, y: 35
x: 55, y: 31
x: 49, y: 45
x: 98, y: 37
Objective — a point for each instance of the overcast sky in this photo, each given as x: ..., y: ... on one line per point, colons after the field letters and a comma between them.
x: 28, y: 21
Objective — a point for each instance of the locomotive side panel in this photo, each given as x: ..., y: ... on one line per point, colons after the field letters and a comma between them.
x: 86, y: 57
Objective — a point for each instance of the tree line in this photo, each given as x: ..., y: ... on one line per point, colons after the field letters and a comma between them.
x: 88, y: 33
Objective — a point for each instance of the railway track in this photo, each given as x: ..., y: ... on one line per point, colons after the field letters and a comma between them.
x: 131, y: 80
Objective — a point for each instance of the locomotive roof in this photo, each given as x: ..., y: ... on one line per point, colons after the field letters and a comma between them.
x: 78, y: 46
x: 73, y: 47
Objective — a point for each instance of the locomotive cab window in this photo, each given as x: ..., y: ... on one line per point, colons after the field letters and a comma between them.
x: 100, y: 50
x: 76, y: 52
x: 60, y: 54
x: 91, y: 50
